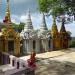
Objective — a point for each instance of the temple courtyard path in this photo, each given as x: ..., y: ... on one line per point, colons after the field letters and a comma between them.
x: 57, y: 63
x: 60, y: 62
x: 60, y: 55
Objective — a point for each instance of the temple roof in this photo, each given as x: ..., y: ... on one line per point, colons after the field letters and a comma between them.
x: 29, y: 32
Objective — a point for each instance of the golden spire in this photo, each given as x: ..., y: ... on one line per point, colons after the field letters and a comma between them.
x: 7, y: 13
x: 54, y: 30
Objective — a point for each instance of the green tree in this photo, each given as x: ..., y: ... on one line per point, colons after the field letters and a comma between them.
x: 72, y: 43
x: 54, y: 7
x: 70, y: 7
x: 15, y: 26
x: 18, y: 27
x: 21, y: 26
x: 57, y: 8
x: 69, y: 35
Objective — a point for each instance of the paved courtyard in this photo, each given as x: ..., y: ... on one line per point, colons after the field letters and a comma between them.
x: 57, y: 63
x: 60, y: 62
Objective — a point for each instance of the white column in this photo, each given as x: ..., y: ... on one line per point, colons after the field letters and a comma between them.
x: 37, y: 49
x: 43, y: 45
x: 24, y: 46
x: 46, y: 45
x: 27, y: 46
x: 30, y: 45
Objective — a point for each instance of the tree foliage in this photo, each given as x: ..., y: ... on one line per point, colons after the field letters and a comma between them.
x: 70, y: 6
x: 58, y: 8
x: 53, y: 7
x: 21, y: 27
x: 18, y: 27
x: 72, y: 43
x: 15, y: 26
x: 43, y: 6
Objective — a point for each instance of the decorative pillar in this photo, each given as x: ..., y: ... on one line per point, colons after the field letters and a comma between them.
x: 24, y: 47
x: 46, y: 44
x: 17, y: 46
x: 30, y: 45
x: 51, y: 43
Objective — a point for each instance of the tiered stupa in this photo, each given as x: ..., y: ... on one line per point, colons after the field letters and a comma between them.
x: 10, y: 40
x: 55, y: 36
x: 28, y: 25
x: 64, y: 36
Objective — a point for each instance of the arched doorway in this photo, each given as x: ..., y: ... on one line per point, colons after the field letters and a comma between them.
x: 10, y: 45
x: 49, y: 44
x: 34, y: 44
x: 18, y: 65
x: 0, y: 58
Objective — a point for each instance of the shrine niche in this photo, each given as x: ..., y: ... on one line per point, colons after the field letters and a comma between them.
x: 11, y: 45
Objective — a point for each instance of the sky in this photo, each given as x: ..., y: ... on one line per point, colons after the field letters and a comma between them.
x: 19, y: 9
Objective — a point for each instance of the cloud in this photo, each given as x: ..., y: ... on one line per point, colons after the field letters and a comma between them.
x: 23, y: 18
x: 49, y: 22
x: 15, y: 19
x: 71, y: 28
x: 36, y: 19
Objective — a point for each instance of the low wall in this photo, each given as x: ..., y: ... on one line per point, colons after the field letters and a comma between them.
x: 17, y: 67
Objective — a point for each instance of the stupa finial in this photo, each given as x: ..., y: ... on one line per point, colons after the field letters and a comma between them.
x: 43, y: 24
x: 54, y: 30
x: 7, y: 13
